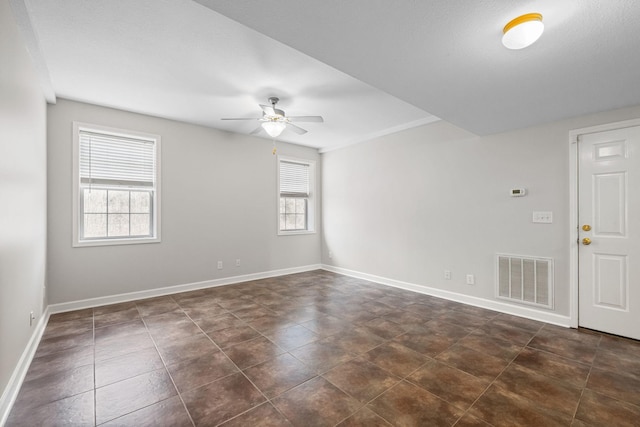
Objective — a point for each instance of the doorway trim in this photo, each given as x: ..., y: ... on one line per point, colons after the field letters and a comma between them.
x: 574, y: 136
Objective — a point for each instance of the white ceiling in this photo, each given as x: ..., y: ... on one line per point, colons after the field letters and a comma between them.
x: 180, y: 60
x: 369, y: 67
x: 446, y: 56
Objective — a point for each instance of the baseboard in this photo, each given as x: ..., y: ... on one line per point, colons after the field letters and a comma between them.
x: 521, y: 311
x: 10, y: 393
x: 132, y: 296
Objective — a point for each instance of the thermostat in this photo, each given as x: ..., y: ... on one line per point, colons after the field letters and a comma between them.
x: 518, y: 192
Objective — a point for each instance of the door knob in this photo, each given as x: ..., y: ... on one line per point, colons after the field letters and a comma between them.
x: 586, y: 227
x: 586, y: 241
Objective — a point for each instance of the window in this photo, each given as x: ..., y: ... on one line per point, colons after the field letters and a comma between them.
x: 296, y: 188
x: 116, y: 186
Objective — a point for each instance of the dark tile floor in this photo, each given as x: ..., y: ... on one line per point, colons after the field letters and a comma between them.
x: 320, y: 349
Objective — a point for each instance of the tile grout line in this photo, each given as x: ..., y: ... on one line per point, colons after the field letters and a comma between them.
x: 495, y: 379
x: 456, y: 342
x: 401, y: 379
x: 270, y: 400
x: 141, y: 318
x: 267, y: 400
x: 586, y: 381
x: 385, y: 342
x: 321, y: 375
x: 164, y: 363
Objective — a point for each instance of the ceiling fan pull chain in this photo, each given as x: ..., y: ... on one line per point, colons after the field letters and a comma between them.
x: 274, y: 147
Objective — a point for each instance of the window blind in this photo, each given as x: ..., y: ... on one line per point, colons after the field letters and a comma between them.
x: 116, y: 160
x: 294, y: 179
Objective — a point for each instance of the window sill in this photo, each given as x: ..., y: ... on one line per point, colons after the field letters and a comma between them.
x: 295, y: 233
x: 115, y: 242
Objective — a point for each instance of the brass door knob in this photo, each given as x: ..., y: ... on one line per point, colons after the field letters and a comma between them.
x: 586, y: 241
x: 586, y: 227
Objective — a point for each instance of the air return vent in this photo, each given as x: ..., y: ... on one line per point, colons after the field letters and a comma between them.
x: 526, y: 280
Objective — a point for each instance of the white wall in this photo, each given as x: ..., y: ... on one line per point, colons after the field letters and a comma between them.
x: 22, y: 197
x: 218, y: 203
x: 408, y: 206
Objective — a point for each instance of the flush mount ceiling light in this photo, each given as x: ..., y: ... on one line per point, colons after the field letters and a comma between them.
x: 273, y: 127
x: 522, y: 31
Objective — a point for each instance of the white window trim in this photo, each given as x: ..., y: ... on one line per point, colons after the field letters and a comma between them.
x: 312, y: 206
x: 75, y: 226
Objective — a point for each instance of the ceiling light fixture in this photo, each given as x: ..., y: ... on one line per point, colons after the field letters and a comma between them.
x: 273, y: 127
x: 522, y: 31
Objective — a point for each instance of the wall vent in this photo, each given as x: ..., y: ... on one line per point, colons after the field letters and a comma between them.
x: 527, y: 280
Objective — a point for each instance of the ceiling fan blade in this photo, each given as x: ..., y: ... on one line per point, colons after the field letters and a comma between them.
x: 308, y: 119
x: 268, y: 110
x: 241, y: 118
x: 256, y: 130
x: 296, y: 129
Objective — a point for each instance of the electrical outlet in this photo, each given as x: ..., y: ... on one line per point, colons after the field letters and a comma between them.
x: 471, y: 280
x: 238, y: 262
x: 219, y: 265
x: 330, y: 255
x: 447, y: 275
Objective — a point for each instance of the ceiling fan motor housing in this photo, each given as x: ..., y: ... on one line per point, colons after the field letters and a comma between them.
x: 273, y: 100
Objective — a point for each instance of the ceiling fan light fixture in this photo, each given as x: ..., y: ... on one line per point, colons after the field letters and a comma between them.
x: 273, y: 128
x: 522, y: 31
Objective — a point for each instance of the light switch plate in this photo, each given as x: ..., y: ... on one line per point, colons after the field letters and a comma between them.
x: 543, y: 217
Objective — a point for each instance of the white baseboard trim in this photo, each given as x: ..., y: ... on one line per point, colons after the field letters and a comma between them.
x: 10, y: 393
x: 527, y: 312
x: 150, y: 293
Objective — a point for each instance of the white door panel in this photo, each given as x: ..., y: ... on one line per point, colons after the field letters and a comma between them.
x: 609, y: 220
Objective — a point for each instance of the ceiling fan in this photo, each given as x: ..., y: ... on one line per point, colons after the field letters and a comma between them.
x: 274, y: 120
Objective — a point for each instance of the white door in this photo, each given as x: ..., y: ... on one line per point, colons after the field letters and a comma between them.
x: 609, y: 231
